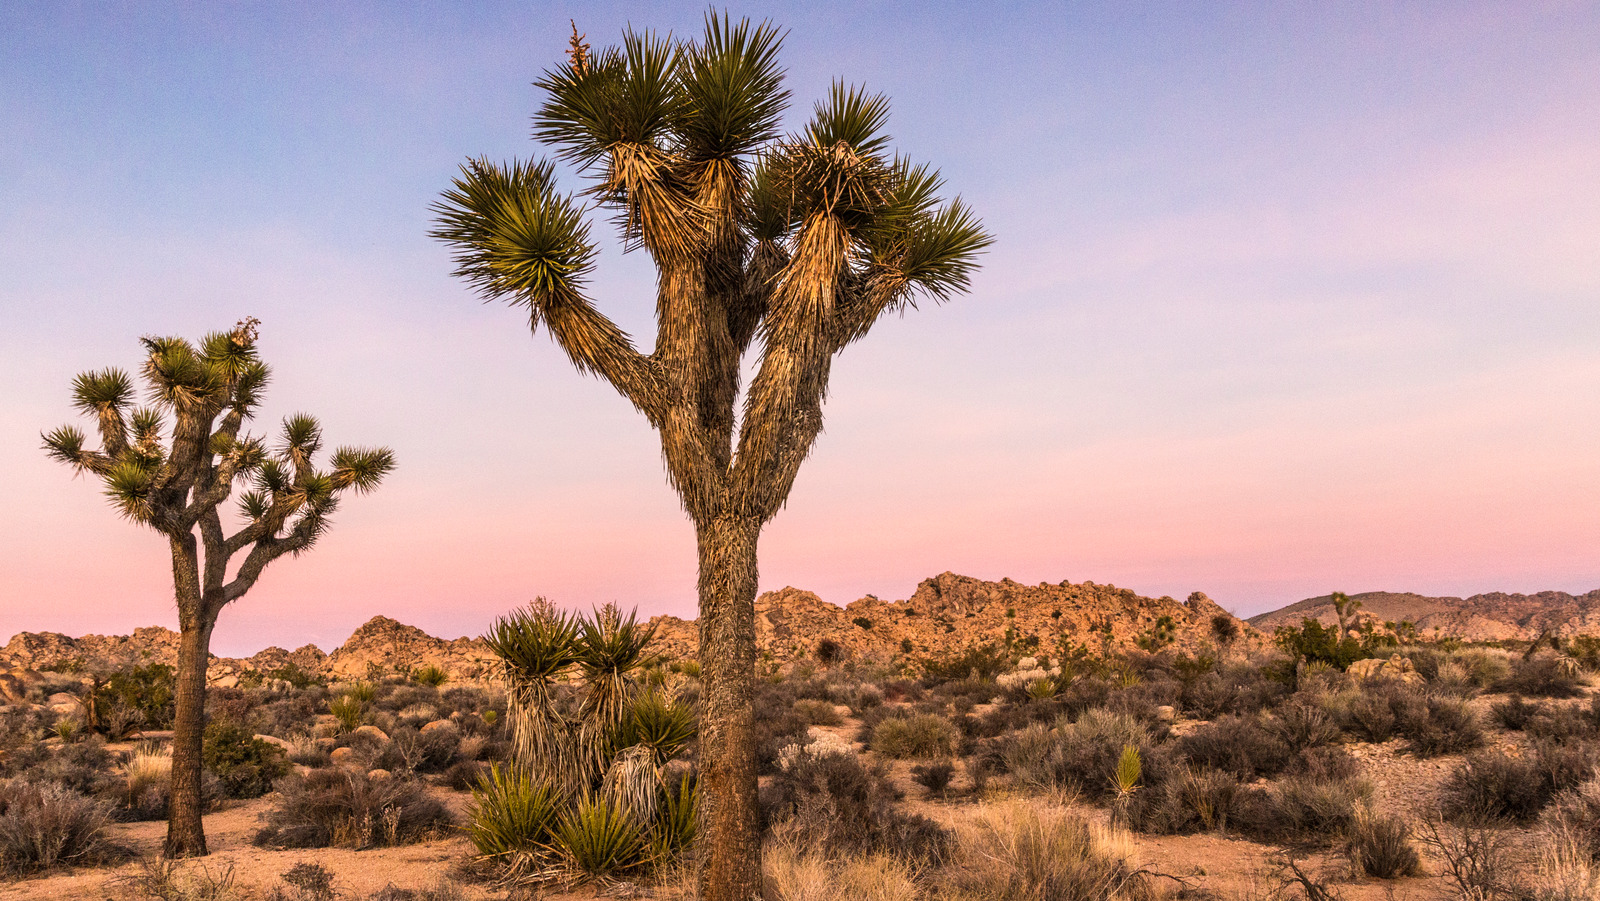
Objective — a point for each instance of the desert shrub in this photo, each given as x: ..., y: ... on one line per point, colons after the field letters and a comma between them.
x: 777, y: 729
x: 984, y: 661
x: 934, y: 776
x: 1381, y: 847
x: 1567, y: 722
x: 1300, y: 809
x: 837, y: 804
x: 192, y: 880
x: 413, y: 751
x: 1019, y: 851
x: 1304, y: 723
x: 1483, y: 667
x: 861, y: 697
x: 144, y: 692
x: 1312, y: 642
x: 1193, y: 800
x: 443, y: 890
x: 1439, y: 725
x: 349, y: 710
x: 921, y: 736
x: 1476, y: 857
x: 147, y: 778
x: 1243, y: 746
x: 1543, y: 676
x: 245, y: 765
x: 1576, y: 811
x: 1492, y: 785
x: 1083, y: 754
x: 1515, y: 712
x: 335, y: 808
x: 1325, y: 762
x: 85, y: 767
x: 818, y: 713
x: 513, y: 819
x: 43, y: 826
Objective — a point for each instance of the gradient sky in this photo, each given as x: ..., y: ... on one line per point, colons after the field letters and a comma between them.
x: 1285, y: 298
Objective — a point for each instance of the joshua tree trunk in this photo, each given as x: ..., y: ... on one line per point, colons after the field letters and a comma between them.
x: 730, y: 832
x: 186, y: 835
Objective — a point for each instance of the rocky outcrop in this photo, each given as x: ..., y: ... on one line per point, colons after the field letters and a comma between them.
x: 1495, y: 616
x: 383, y: 645
x: 951, y: 612
x: 946, y: 614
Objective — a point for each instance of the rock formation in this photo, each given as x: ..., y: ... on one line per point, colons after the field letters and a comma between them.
x: 1495, y: 616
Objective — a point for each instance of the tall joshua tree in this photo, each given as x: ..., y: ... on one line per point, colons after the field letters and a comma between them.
x: 171, y: 465
x: 790, y: 247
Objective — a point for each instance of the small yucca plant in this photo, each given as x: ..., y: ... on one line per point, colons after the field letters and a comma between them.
x: 430, y: 675
x: 348, y: 710
x: 1042, y: 689
x: 365, y: 692
x: 513, y: 819
x: 600, y: 840
x: 677, y: 816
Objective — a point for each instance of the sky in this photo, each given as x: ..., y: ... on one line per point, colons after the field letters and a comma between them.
x: 1285, y: 298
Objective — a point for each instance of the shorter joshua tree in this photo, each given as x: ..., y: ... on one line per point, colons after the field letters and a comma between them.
x: 170, y: 466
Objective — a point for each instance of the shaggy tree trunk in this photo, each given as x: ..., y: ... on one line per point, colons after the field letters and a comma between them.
x: 186, y: 835
x: 729, y: 843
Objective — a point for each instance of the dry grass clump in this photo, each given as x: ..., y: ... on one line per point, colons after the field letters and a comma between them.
x: 1544, y: 676
x: 792, y: 874
x: 1381, y: 846
x: 1493, y: 785
x: 1020, y: 852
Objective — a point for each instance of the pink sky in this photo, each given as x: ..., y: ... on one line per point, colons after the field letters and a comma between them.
x: 1282, y: 302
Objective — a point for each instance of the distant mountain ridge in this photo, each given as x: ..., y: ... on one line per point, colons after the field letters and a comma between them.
x: 1493, y: 616
x: 946, y: 614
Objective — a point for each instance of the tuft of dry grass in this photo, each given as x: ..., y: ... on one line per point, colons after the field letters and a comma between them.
x: 1019, y: 851
x: 791, y: 874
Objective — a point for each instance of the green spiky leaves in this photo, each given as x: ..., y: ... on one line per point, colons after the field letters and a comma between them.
x: 108, y: 389
x: 514, y: 236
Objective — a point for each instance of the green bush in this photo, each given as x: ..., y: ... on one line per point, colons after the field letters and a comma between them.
x: 349, y: 710
x: 1313, y: 642
x: 245, y: 765
x: 677, y: 818
x: 922, y: 736
x: 430, y: 675
x: 142, y: 696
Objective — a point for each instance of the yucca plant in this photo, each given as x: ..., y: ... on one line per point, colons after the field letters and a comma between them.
x: 1125, y: 780
x: 611, y: 656
x: 599, y: 839
x: 676, y: 820
x: 663, y: 726
x: 348, y: 710
x: 513, y: 820
x: 429, y: 674
x: 537, y: 647
x: 171, y: 465
x: 804, y: 241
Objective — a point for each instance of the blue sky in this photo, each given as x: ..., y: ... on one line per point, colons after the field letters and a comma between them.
x: 1285, y: 298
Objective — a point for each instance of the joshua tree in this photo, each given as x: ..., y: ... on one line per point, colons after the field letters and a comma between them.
x: 791, y: 247
x: 1345, y: 607
x: 200, y: 397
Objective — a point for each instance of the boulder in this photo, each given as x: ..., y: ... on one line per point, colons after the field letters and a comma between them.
x: 370, y: 731
x: 345, y: 757
x: 379, y: 775
x: 1395, y: 668
x: 438, y: 726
